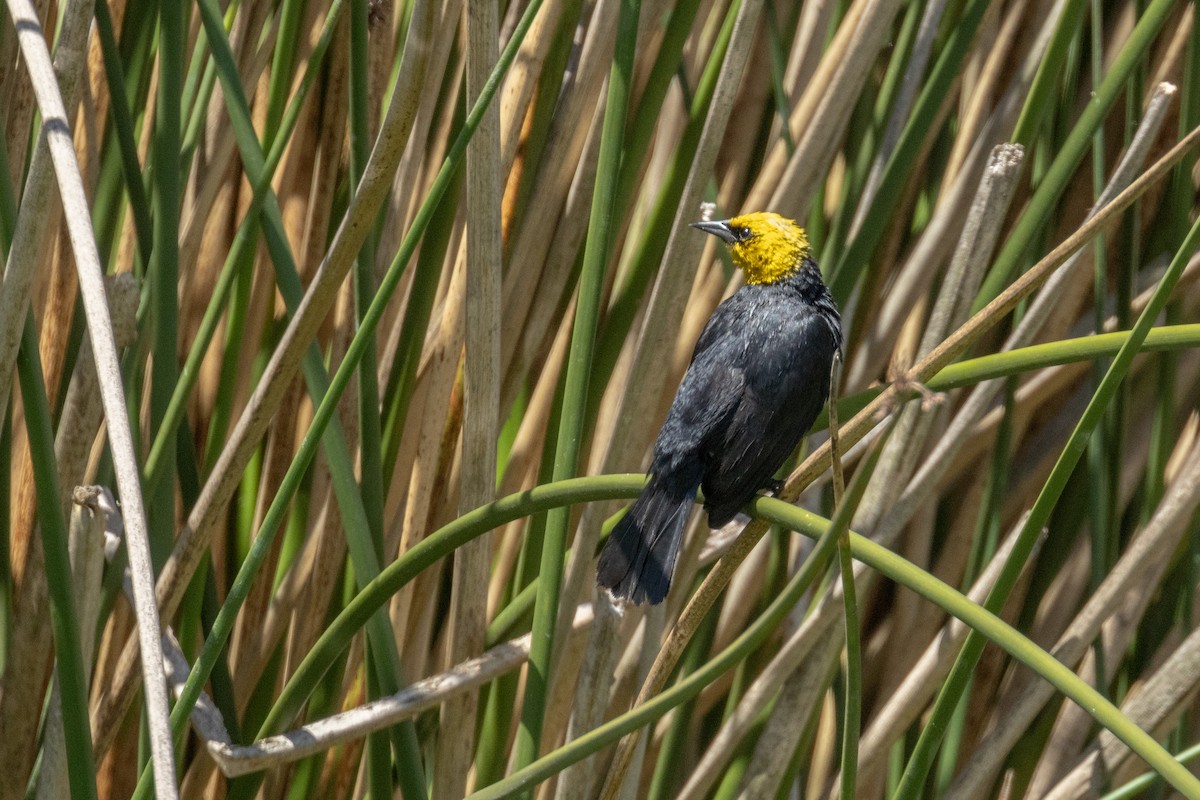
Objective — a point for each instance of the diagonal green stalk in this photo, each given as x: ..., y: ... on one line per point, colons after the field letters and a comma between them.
x: 52, y: 524
x: 579, y: 366
x: 986, y: 624
x: 1040, y: 99
x: 610, y: 487
x: 360, y: 542
x: 961, y: 373
x: 1138, y: 786
x: 127, y: 66
x: 123, y: 129
x: 632, y: 284
x: 164, y: 264
x: 913, y: 780
x: 339, y: 633
x: 283, y: 58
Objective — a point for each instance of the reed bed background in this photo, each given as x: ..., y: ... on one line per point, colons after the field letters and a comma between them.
x: 376, y: 270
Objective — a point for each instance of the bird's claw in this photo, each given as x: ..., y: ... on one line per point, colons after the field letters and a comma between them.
x: 773, y: 487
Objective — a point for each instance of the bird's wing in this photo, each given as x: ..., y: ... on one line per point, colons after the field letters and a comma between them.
x: 703, y: 406
x: 724, y: 326
x: 705, y: 401
x: 745, y: 460
x: 770, y: 419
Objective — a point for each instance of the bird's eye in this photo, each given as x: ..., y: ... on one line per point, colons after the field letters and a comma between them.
x: 741, y: 232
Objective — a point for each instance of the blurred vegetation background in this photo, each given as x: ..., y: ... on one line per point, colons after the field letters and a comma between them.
x: 355, y: 303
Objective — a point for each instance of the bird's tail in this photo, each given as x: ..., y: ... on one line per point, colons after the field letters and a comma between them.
x: 639, y: 557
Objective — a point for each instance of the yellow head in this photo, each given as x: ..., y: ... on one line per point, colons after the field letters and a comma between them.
x: 766, y: 246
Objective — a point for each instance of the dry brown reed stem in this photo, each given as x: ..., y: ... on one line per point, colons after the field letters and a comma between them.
x: 805, y: 55
x: 1154, y: 706
x: 127, y: 244
x: 653, y: 625
x: 914, y: 76
x: 250, y: 645
x: 412, y: 178
x: 249, y: 649
x: 885, y: 403
x: 802, y: 643
x: 1040, y: 388
x: 983, y: 124
x: 573, y: 124
x: 54, y: 293
x: 534, y: 331
x: 900, y: 305
x: 832, y: 104
x: 604, y: 646
x: 1050, y: 630
x: 767, y: 183
x: 40, y: 210
x: 436, y: 495
x: 1051, y: 620
x: 420, y: 463
x: 322, y: 735
x: 214, y: 179
x: 409, y: 496
x: 525, y: 453
x: 800, y: 694
x: 802, y: 689
x: 318, y: 576
x: 481, y: 384
x: 935, y: 465
x: 1142, y: 565
x: 907, y: 700
x: 17, y: 103
x: 914, y: 427
x: 522, y: 79
x: 1168, y: 66
x: 193, y: 540
x: 1013, y: 33
x: 961, y: 283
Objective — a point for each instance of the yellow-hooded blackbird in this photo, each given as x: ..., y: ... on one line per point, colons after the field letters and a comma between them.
x: 757, y: 380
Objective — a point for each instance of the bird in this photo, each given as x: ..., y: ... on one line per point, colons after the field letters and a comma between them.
x: 758, y: 378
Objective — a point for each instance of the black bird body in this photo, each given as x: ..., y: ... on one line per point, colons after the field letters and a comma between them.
x: 758, y: 378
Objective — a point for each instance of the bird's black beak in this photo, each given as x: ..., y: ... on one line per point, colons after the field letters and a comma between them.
x: 719, y: 228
